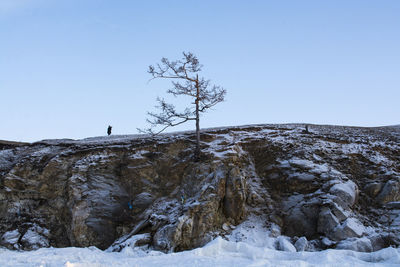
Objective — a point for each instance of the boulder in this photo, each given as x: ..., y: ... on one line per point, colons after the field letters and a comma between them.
x: 390, y: 192
x: 163, y: 238
x: 35, y: 237
x: 356, y: 244
x: 373, y: 189
x: 133, y: 241
x: 275, y: 230
x: 301, y: 217
x: 383, y: 240
x: 338, y: 211
x: 284, y: 244
x: 345, y: 193
x: 349, y: 228
x: 10, y: 239
x: 301, y: 244
x: 326, y: 221
x: 378, y: 241
x: 327, y: 243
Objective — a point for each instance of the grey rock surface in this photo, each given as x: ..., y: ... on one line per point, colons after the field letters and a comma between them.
x: 390, y: 192
x: 326, y: 221
x: 284, y: 244
x: 301, y: 244
x: 356, y: 244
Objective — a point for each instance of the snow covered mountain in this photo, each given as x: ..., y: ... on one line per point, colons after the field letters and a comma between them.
x: 276, y: 186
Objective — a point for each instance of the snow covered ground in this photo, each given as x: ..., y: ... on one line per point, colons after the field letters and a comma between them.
x: 219, y: 252
x: 248, y: 245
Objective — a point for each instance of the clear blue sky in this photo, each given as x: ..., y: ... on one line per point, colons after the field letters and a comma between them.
x: 69, y: 68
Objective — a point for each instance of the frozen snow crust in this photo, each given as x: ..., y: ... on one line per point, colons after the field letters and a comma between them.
x: 261, y: 194
x: 257, y: 249
x: 217, y: 253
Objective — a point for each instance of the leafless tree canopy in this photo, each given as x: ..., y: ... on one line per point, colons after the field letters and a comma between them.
x: 185, y: 81
x: 184, y: 74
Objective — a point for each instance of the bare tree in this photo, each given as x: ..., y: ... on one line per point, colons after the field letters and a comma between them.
x: 184, y: 74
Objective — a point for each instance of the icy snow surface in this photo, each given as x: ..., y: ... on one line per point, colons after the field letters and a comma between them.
x: 248, y: 245
x: 219, y: 252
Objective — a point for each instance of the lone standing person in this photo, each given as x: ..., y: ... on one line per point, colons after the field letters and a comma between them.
x: 109, y: 129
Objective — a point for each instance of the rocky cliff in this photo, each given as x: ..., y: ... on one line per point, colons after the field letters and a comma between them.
x: 331, y: 187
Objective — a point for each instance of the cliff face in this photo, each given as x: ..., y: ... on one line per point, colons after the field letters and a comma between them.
x: 335, y: 186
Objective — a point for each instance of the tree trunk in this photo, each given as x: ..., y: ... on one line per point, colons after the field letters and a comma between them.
x: 197, y: 151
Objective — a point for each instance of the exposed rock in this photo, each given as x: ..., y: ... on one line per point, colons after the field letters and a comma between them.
x: 390, y: 192
x: 35, y: 237
x: 393, y: 205
x: 327, y: 243
x: 284, y: 244
x: 225, y: 227
x: 254, y: 199
x: 301, y: 244
x: 143, y: 200
x: 356, y: 244
x: 326, y: 221
x: 338, y: 211
x: 383, y: 240
x: 346, y: 193
x: 276, y: 219
x: 235, y: 197
x: 142, y: 190
x: 350, y: 228
x: 302, y: 217
x: 373, y: 189
x: 164, y: 237
x: 377, y: 242
x: 314, y: 245
x: 133, y: 241
x: 275, y: 230
x: 10, y: 239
